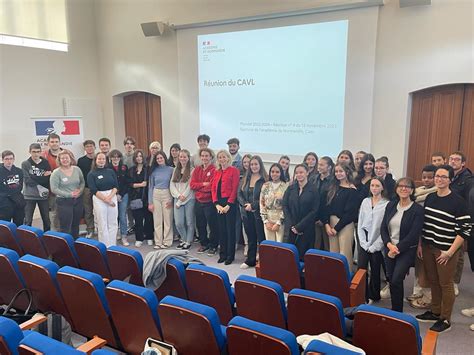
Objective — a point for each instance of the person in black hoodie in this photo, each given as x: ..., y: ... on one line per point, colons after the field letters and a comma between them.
x: 401, y: 229
x: 123, y: 179
x: 322, y: 181
x: 12, y: 202
x: 300, y: 207
x: 36, y: 172
x: 249, y: 200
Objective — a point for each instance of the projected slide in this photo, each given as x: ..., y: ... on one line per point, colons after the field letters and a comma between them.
x: 279, y: 90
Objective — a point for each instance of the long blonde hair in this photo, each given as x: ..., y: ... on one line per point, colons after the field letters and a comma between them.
x: 178, y: 175
x: 227, y: 154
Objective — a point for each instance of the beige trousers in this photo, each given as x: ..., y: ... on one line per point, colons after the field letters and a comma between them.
x: 163, y: 217
x: 275, y: 236
x: 342, y: 242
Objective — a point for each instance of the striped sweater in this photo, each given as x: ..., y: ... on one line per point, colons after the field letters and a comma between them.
x: 445, y: 218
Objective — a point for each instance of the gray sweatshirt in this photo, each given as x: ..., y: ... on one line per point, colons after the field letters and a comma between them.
x: 370, y: 220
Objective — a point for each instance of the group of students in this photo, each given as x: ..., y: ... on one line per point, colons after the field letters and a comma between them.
x: 352, y: 206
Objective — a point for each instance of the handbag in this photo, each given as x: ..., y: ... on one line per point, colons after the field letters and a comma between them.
x: 16, y: 316
x: 137, y: 203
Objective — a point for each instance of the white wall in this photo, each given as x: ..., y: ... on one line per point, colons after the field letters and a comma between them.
x: 417, y: 47
x: 33, y: 82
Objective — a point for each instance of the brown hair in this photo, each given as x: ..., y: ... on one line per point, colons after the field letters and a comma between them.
x: 178, y: 174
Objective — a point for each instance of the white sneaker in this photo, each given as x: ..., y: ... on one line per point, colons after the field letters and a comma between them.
x: 149, y: 242
x: 119, y: 237
x: 244, y: 266
x: 125, y: 242
x: 385, y: 292
x: 471, y: 327
x: 138, y: 244
x: 157, y: 247
x: 468, y: 312
x: 89, y: 235
x: 456, y: 290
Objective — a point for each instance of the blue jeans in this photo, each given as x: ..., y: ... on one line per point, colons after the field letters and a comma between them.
x: 122, y: 212
x: 184, y: 220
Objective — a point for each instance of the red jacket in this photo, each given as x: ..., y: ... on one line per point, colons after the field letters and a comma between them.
x: 198, y: 177
x: 230, y: 183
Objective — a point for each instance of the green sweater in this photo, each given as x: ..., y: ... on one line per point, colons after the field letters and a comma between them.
x: 63, y: 185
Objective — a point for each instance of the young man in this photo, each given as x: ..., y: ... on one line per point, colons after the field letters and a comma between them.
x: 203, y: 142
x: 36, y: 172
x: 85, y: 164
x: 234, y: 146
x: 381, y: 171
x: 12, y: 203
x: 438, y: 158
x: 447, y: 224
x: 461, y: 184
x: 129, y: 149
x: 421, y: 297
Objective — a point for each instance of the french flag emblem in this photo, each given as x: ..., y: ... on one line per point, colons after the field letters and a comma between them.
x: 62, y: 127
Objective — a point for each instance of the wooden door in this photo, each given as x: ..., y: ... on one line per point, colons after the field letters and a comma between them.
x: 142, y: 113
x: 435, y: 125
x: 466, y: 144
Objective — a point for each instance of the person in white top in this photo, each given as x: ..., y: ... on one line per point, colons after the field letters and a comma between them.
x: 370, y: 243
x: 183, y: 199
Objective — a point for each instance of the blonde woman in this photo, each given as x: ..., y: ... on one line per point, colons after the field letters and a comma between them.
x: 271, y: 204
x: 153, y: 148
x: 224, y: 194
x: 67, y: 183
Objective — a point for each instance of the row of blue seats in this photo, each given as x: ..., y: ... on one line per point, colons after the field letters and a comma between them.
x: 84, y: 292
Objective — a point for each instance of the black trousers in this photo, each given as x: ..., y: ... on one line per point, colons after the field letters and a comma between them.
x: 470, y: 250
x: 69, y: 211
x: 375, y: 260
x: 17, y: 215
x: 255, y: 234
x: 303, y: 242
x: 143, y: 224
x: 43, y: 206
x: 206, y: 214
x: 226, y: 223
x: 397, y: 269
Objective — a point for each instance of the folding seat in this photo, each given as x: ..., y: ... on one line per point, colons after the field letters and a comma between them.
x: 84, y: 295
x: 192, y: 328
x: 134, y: 313
x: 39, y: 276
x: 260, y: 300
x: 280, y: 262
x: 92, y: 256
x: 31, y: 241
x: 11, y: 280
x: 8, y: 238
x: 175, y: 282
x: 17, y: 339
x: 211, y: 286
x: 328, y: 273
x: 125, y: 264
x: 383, y: 331
x: 313, y: 313
x: 245, y: 336
x: 60, y: 248
x: 317, y: 347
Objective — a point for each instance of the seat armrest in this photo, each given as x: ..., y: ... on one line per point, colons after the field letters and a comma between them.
x: 33, y: 322
x: 429, y: 343
x: 357, y: 288
x: 257, y: 270
x: 93, y: 344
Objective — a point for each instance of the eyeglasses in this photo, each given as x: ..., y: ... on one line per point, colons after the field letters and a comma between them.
x: 36, y: 151
x: 442, y: 177
x: 115, y: 157
x: 455, y: 159
x: 129, y: 143
x: 405, y: 187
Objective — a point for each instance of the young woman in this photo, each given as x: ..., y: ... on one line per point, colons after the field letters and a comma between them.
x: 139, y: 192
x: 401, y: 229
x: 300, y: 208
x: 365, y: 173
x: 271, y: 204
x: 370, y: 243
x: 153, y: 148
x: 160, y: 202
x: 67, y: 183
x: 174, y: 155
x: 121, y: 171
x: 311, y: 160
x: 322, y: 182
x: 340, y: 212
x: 447, y: 225
x: 381, y: 170
x: 183, y: 199
x: 358, y: 158
x: 345, y: 156
x: 224, y: 193
x: 238, y: 226
x: 249, y: 200
x: 103, y: 184
x: 284, y: 161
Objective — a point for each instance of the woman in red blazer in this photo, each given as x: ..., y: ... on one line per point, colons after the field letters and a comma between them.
x: 225, y: 184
